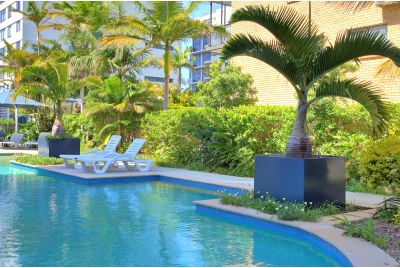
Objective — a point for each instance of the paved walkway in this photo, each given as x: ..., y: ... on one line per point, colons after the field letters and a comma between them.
x: 18, y: 151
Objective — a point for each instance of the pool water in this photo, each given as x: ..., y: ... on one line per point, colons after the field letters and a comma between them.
x: 48, y: 221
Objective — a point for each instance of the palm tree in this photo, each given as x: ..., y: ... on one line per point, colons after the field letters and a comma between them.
x: 180, y: 60
x: 115, y: 101
x: 304, y: 58
x: 39, y: 16
x: 13, y: 60
x: 165, y: 23
x: 50, y: 79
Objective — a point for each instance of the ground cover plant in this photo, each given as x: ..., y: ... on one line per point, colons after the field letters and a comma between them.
x: 284, y: 210
x: 366, y: 231
x: 37, y: 160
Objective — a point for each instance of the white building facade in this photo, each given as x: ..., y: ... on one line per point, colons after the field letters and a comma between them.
x: 207, y: 48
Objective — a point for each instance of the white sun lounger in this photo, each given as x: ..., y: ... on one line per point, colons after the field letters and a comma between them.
x: 100, y: 164
x: 111, y: 147
x: 15, y: 141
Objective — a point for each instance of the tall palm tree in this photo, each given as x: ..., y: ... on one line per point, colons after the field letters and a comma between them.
x: 50, y: 79
x: 39, y: 15
x: 180, y: 60
x: 164, y: 23
x: 304, y: 58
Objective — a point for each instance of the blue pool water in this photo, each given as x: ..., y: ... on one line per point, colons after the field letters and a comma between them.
x: 48, y: 221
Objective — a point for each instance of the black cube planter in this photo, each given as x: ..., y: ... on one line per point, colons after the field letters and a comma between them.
x: 318, y: 179
x: 64, y: 146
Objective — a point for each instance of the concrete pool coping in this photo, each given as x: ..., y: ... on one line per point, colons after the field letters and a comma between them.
x: 358, y: 251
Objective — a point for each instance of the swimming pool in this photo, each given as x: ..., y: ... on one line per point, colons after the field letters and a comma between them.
x: 51, y: 221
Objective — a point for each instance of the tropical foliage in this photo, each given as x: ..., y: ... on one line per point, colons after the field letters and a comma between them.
x: 304, y: 58
x: 228, y: 87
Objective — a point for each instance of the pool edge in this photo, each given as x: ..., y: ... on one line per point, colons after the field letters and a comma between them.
x: 356, y: 251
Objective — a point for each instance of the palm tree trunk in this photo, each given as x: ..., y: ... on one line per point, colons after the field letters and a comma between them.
x: 38, y: 39
x: 180, y: 78
x: 58, y: 126
x: 82, y: 96
x: 166, y: 76
x: 299, y: 144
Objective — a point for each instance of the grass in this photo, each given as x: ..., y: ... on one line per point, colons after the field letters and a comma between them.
x: 357, y: 186
x: 285, y: 210
x: 365, y: 230
x: 37, y: 160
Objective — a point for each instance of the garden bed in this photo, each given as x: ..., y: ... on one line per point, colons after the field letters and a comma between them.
x: 385, y: 235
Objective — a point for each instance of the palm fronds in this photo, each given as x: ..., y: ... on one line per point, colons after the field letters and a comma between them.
x: 362, y: 92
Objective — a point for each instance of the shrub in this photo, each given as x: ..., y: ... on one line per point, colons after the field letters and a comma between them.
x: 228, y: 87
x: 226, y: 140
x: 37, y: 160
x: 30, y: 131
x: 365, y: 230
x: 380, y: 163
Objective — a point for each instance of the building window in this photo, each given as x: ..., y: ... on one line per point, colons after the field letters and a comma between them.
x: 2, y: 15
x: 2, y: 34
x: 18, y: 5
x: 18, y: 26
x: 9, y: 11
x: 206, y: 57
x: 196, y: 44
x: 2, y: 52
x: 197, y: 61
x: 9, y: 31
x: 205, y: 40
x: 18, y: 45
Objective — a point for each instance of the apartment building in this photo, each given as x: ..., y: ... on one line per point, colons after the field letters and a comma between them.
x: 206, y: 49
x: 272, y: 87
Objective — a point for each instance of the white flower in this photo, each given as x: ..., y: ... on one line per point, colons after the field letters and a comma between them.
x: 302, y: 209
x: 310, y: 203
x: 305, y: 203
x: 286, y: 207
x: 276, y: 208
x: 262, y: 197
x: 283, y: 199
x: 258, y: 192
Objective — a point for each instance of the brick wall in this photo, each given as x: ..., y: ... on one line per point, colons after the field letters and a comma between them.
x: 273, y: 89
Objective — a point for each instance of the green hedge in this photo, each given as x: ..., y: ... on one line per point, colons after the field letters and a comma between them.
x: 226, y: 140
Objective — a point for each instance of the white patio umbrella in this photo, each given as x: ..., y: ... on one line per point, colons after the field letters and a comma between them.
x: 7, y: 101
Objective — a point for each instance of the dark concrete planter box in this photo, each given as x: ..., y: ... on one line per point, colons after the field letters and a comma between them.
x: 64, y: 146
x: 316, y: 180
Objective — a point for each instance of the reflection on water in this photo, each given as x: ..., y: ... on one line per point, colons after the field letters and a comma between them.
x: 55, y: 222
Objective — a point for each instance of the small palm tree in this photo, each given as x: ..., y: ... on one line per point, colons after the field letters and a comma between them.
x: 39, y: 16
x: 304, y: 58
x: 50, y: 79
x: 164, y: 23
x: 389, y: 70
x: 181, y: 60
x: 13, y: 60
x: 115, y: 101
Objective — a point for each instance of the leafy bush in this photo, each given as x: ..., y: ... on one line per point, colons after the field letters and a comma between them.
x: 365, y: 230
x: 30, y: 131
x: 380, y: 163
x: 37, y: 160
x: 228, y: 87
x: 6, y: 122
x: 286, y: 211
x: 226, y: 140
